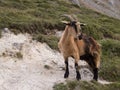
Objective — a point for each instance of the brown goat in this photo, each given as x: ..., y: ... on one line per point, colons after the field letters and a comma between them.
x: 79, y: 46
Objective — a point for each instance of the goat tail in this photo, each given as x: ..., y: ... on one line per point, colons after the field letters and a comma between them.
x: 95, y: 53
x: 96, y: 56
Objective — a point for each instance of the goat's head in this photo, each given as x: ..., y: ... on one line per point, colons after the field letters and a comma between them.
x: 73, y: 24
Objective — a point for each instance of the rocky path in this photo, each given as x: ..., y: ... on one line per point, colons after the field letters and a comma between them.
x: 30, y: 65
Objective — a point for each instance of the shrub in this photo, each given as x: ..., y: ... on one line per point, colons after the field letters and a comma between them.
x: 51, y: 40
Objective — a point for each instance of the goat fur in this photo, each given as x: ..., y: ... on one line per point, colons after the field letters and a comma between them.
x: 85, y: 48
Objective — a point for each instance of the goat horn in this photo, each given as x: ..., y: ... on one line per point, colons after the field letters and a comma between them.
x: 68, y: 16
x: 66, y: 22
x: 75, y: 17
x: 82, y: 24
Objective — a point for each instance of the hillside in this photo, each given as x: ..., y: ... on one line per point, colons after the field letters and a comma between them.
x: 42, y: 20
x: 107, y: 7
x: 39, y: 16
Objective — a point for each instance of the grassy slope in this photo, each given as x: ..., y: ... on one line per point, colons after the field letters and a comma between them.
x: 39, y: 17
x: 110, y: 60
x: 83, y: 85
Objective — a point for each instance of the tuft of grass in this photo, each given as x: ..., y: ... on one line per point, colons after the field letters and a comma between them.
x: 98, y: 25
x: 47, y: 67
x: 72, y: 85
x: 60, y: 86
x: 113, y: 86
x: 19, y: 55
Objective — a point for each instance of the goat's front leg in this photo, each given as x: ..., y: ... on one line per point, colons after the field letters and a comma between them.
x: 66, y: 68
x: 76, y: 57
x: 77, y: 71
x: 94, y: 63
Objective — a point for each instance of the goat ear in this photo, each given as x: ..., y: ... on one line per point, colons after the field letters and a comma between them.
x: 65, y: 22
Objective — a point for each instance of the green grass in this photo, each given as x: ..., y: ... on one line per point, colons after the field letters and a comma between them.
x: 31, y: 15
x: 110, y: 60
x: 35, y: 16
x: 110, y: 47
x: 51, y: 40
x: 83, y: 85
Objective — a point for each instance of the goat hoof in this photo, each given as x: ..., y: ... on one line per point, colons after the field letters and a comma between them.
x: 66, y: 75
x: 95, y: 74
x: 78, y: 78
x: 96, y: 79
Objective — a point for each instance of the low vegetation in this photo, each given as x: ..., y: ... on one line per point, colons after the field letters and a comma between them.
x: 110, y: 61
x: 83, y: 85
x: 51, y: 40
x: 39, y: 16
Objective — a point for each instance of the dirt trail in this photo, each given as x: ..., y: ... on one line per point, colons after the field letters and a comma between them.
x: 39, y: 69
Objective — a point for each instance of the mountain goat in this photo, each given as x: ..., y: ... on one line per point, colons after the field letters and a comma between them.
x: 74, y: 43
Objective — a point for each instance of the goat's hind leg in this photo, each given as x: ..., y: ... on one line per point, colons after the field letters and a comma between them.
x: 93, y: 64
x: 66, y: 68
x: 97, y: 65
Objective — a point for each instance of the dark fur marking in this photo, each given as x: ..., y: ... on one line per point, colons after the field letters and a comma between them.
x: 95, y: 72
x: 73, y: 24
x: 77, y: 72
x: 67, y: 69
x: 89, y: 59
x: 90, y: 43
x: 72, y: 57
x: 80, y: 36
